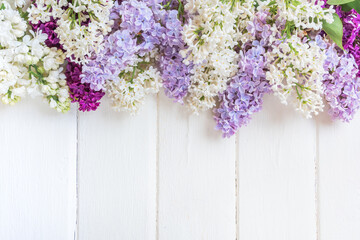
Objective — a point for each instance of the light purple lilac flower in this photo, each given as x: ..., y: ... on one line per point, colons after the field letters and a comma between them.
x: 141, y: 27
x: 341, y: 84
x: 134, y: 37
x: 175, y: 74
x: 244, y: 94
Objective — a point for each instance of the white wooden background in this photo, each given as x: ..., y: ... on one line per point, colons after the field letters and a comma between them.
x: 166, y: 174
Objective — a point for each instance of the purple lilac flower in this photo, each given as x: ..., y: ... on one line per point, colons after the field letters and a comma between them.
x: 244, y: 94
x: 140, y: 27
x: 49, y: 29
x: 87, y: 98
x: 134, y: 37
x: 351, y: 37
x: 341, y: 84
x: 175, y: 74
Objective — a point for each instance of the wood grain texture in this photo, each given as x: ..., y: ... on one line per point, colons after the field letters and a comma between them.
x: 276, y: 154
x: 339, y: 179
x: 117, y: 174
x: 196, y: 177
x: 37, y: 172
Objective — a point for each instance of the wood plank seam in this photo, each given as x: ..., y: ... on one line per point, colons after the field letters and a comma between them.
x: 237, y: 215
x: 317, y: 194
x: 76, y: 232
x: 157, y: 167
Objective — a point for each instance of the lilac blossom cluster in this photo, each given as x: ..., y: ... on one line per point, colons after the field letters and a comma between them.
x: 351, y: 38
x: 138, y: 34
x: 351, y: 30
x: 341, y: 84
x: 244, y: 94
x: 87, y: 98
x: 175, y: 74
x: 48, y: 28
x: 144, y: 35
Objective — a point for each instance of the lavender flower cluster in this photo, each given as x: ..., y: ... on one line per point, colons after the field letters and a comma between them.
x: 341, y: 85
x: 244, y: 94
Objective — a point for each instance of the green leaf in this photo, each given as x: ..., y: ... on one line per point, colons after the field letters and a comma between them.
x: 334, y: 30
x: 339, y: 2
x: 2, y: 7
x: 352, y: 5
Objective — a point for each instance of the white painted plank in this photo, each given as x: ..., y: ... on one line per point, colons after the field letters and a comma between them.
x: 339, y: 179
x: 277, y: 175
x: 196, y: 177
x: 117, y: 174
x: 37, y: 172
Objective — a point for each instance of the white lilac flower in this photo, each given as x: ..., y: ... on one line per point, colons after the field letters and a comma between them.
x: 11, y: 24
x: 27, y: 65
x: 296, y: 74
x: 16, y: 3
x: 128, y: 93
x: 299, y: 14
x: 305, y: 13
x: 82, y: 24
x: 211, y: 34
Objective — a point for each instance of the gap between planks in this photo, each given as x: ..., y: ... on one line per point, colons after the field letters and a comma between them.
x: 157, y: 167
x: 76, y: 231
x: 237, y: 214
x: 317, y: 177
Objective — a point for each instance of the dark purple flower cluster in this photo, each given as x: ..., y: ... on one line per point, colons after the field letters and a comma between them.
x: 87, y: 98
x: 49, y: 29
x: 351, y: 37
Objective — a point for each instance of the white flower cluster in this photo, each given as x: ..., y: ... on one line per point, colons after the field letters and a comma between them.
x: 27, y: 66
x: 16, y: 3
x: 82, y: 24
x: 296, y: 74
x: 305, y: 14
x: 214, y: 29
x: 128, y: 92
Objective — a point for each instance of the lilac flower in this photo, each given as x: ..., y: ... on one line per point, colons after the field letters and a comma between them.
x: 134, y: 37
x: 351, y: 37
x: 49, y: 29
x: 143, y: 27
x: 175, y: 74
x: 120, y: 51
x: 87, y: 98
x: 341, y: 85
x: 243, y: 96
